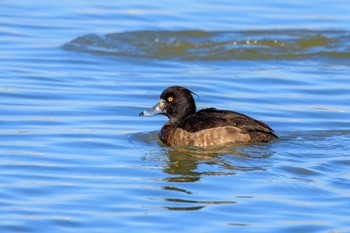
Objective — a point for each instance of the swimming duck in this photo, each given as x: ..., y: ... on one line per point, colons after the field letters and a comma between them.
x: 207, y: 127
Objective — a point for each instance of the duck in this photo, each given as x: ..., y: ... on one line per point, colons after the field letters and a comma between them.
x: 207, y: 127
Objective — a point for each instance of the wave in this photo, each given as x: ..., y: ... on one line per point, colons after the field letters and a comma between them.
x: 216, y: 45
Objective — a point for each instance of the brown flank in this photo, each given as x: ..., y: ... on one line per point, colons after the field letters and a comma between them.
x: 207, y: 137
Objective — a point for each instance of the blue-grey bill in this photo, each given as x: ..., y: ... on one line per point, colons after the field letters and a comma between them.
x: 152, y: 111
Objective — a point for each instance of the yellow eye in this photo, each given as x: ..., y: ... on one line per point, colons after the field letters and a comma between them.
x: 170, y: 99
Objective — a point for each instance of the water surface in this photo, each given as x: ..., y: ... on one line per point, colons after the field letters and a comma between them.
x: 75, y: 156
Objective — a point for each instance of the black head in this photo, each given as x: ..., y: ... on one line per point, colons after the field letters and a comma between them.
x: 175, y: 102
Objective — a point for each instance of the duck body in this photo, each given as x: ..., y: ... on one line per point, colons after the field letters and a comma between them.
x: 207, y: 127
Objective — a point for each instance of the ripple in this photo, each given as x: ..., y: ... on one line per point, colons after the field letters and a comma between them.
x: 140, y: 138
x: 186, y: 204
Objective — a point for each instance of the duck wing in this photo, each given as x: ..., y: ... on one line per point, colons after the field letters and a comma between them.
x: 216, y: 118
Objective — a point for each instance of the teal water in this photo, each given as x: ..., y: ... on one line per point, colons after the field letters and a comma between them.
x: 76, y: 157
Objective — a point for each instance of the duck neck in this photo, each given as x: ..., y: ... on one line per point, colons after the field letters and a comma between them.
x: 184, y: 113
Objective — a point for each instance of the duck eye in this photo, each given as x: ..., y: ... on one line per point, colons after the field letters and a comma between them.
x: 170, y: 99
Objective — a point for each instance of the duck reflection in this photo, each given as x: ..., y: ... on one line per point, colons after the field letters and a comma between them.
x: 189, y: 164
x: 185, y: 165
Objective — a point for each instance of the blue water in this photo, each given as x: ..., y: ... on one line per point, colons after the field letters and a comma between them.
x: 76, y: 157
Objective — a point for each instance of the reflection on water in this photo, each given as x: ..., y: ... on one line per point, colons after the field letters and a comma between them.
x: 194, y: 205
x: 189, y: 164
x: 212, y: 46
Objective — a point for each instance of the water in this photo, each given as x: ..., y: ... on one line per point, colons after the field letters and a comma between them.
x: 213, y: 46
x: 76, y: 157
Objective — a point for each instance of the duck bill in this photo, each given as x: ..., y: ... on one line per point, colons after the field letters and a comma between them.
x: 152, y: 111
